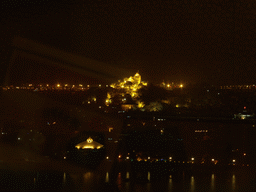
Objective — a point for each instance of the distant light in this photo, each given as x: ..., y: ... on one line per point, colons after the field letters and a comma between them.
x: 106, y: 85
x: 47, y: 85
x: 192, y: 158
x: 181, y: 86
x: 119, y: 156
x: 89, y: 102
x: 18, y: 138
x: 244, y: 107
x: 127, y: 157
x: 66, y: 85
x: 212, y: 159
x: 244, y: 154
x: 99, y: 106
x: 208, y: 90
x: 107, y: 157
x: 54, y: 123
x: 99, y: 85
x: 80, y: 85
x: 64, y: 157
x: 170, y: 158
x: 58, y: 85
x: 88, y: 85
x: 234, y: 160
x: 148, y: 157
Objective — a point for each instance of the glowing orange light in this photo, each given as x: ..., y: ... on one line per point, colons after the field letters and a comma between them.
x: 89, y: 140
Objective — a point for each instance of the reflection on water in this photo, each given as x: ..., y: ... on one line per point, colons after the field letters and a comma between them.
x: 107, y: 177
x: 64, y: 179
x: 241, y: 180
x: 170, y: 187
x: 233, y: 182
x: 212, y: 183
x: 192, y: 183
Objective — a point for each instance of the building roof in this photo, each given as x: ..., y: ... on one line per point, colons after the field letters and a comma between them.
x: 89, y: 144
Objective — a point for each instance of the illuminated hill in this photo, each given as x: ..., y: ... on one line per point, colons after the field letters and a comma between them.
x: 130, y: 85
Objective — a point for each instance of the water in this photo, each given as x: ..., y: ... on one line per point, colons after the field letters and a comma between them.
x: 240, y: 179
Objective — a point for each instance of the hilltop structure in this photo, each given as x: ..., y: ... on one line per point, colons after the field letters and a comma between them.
x: 130, y: 85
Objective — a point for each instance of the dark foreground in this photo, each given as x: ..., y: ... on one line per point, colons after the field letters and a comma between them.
x: 198, y: 178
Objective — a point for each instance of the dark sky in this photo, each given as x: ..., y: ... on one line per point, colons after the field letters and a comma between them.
x: 183, y: 41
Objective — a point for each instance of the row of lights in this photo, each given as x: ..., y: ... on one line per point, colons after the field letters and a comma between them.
x: 170, y: 159
x: 181, y: 85
x: 59, y: 85
x: 80, y: 85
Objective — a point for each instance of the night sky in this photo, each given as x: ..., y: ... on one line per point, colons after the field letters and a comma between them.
x: 183, y: 41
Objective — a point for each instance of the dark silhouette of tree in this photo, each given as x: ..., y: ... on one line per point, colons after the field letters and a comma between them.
x: 128, y: 98
x: 152, y: 93
x: 116, y: 100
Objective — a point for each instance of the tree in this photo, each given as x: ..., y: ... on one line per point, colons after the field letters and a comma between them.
x: 154, y: 106
x: 152, y: 93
